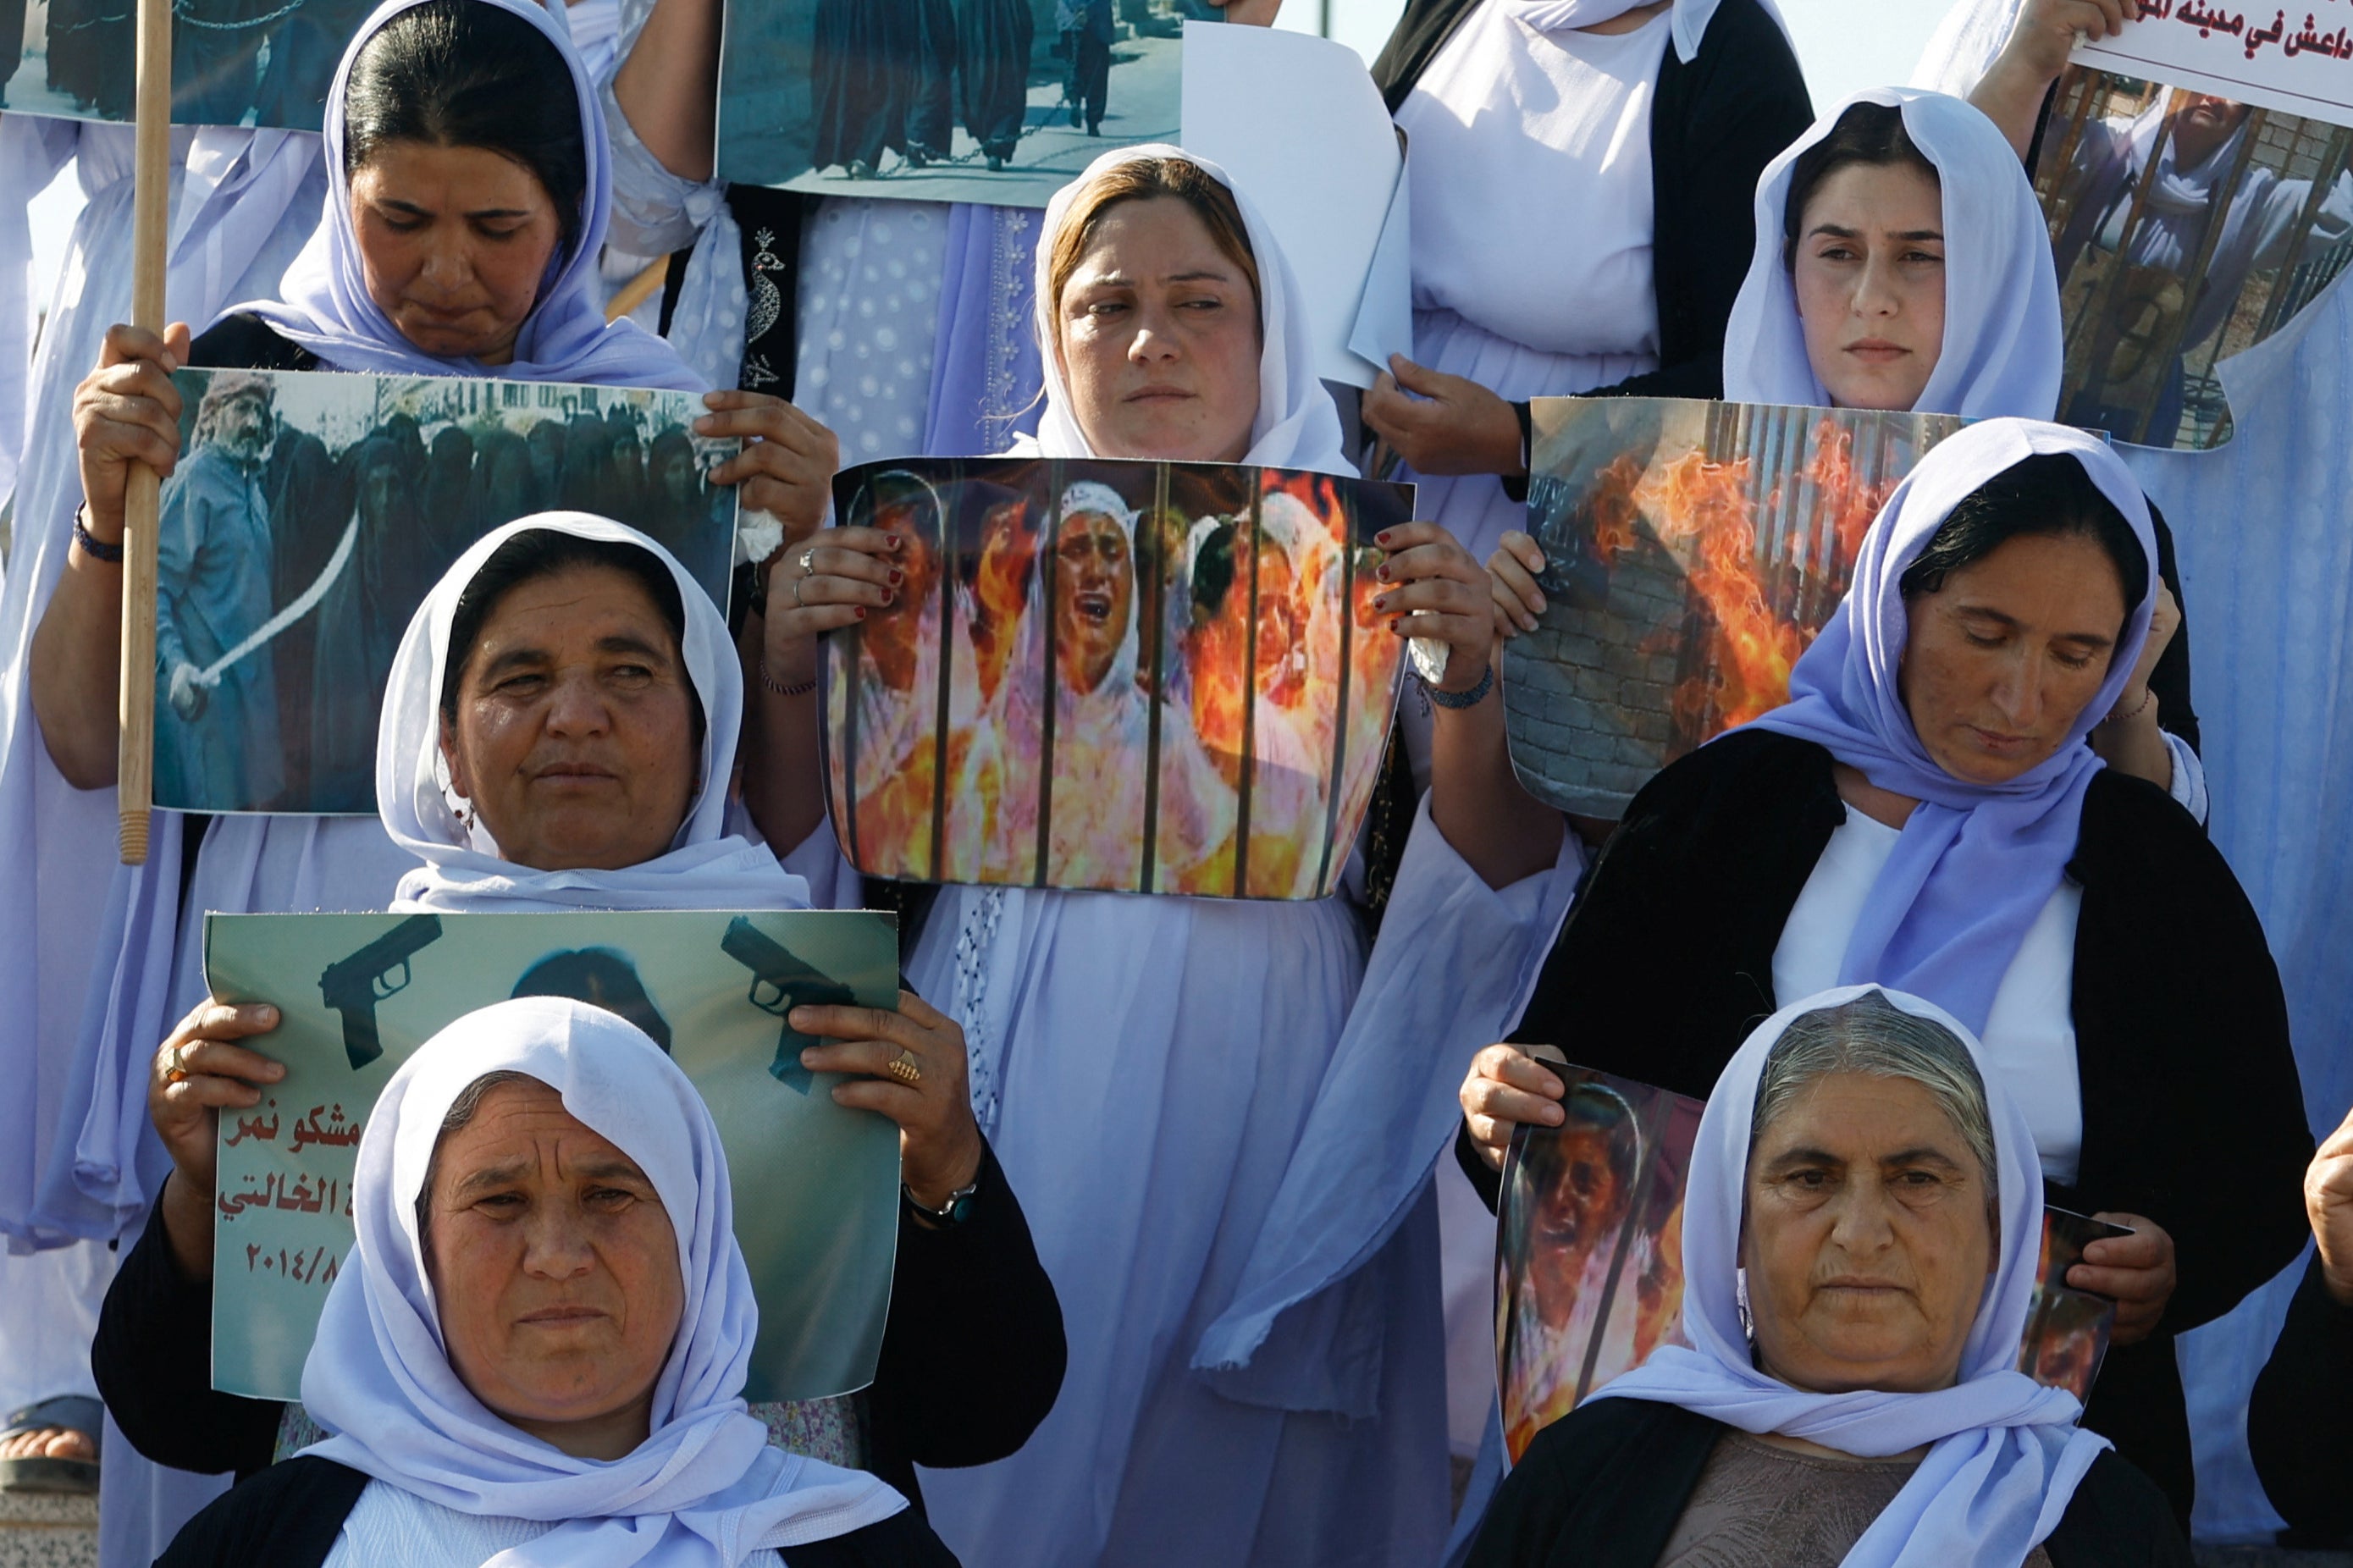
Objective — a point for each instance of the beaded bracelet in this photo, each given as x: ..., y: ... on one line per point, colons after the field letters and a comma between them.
x: 1471, y: 699
x: 91, y: 545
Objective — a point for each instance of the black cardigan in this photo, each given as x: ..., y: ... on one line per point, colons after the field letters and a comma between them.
x: 2297, y: 1421
x: 1666, y: 964
x: 972, y: 1353
x: 288, y: 1516
x: 1715, y: 122
x: 1603, y: 1486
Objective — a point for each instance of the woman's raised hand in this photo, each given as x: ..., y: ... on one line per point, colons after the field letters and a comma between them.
x: 787, y: 462
x: 1451, y: 427
x: 1435, y: 589
x: 127, y: 411
x: 2010, y: 92
x: 1507, y: 1087
x: 914, y: 1059
x: 1511, y: 581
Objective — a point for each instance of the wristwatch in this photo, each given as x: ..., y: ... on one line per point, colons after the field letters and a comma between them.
x: 950, y: 1213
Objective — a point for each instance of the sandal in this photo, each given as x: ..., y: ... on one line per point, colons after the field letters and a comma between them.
x: 71, y: 1413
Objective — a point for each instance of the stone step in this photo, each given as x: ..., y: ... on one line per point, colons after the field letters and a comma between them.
x: 47, y: 1530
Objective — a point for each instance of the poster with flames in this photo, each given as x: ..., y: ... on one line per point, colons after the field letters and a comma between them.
x: 1589, y: 1246
x: 1692, y: 549
x: 1117, y: 675
x: 1589, y: 1267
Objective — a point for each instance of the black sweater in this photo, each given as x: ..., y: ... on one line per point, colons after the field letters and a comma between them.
x: 2193, y: 1112
x: 288, y: 1516
x: 1604, y: 1486
x: 2299, y: 1425
x: 1715, y: 122
x: 972, y: 1353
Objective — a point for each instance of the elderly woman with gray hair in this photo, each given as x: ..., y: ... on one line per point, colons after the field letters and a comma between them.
x: 1862, y: 1228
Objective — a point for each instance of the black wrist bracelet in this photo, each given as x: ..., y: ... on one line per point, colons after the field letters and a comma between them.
x: 91, y: 545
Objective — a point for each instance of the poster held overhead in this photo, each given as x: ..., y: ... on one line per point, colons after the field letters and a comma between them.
x: 1299, y: 125
x: 2238, y: 54
x: 2187, y: 227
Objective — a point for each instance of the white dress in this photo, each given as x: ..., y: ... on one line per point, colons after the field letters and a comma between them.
x: 1532, y: 216
x: 2029, y: 1035
x: 1159, y: 1059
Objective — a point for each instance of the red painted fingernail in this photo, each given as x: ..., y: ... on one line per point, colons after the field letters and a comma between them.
x: 896, y: 541
x: 861, y: 612
x: 895, y: 575
x: 1382, y: 537
x: 888, y: 596
x: 1382, y: 603
x: 1382, y: 572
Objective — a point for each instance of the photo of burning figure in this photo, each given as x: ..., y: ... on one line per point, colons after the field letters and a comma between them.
x: 2186, y: 229
x: 1128, y: 676
x: 1692, y: 550
x: 1588, y: 1257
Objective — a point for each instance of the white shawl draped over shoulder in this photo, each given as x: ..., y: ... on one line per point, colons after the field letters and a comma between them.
x: 705, y: 1490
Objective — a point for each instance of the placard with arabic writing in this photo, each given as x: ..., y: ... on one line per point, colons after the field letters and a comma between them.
x: 359, y: 993
x: 2298, y: 60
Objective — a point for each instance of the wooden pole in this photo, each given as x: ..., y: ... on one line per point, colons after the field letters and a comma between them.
x: 150, y: 229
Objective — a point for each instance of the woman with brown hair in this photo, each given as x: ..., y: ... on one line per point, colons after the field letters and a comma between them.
x: 1143, y: 1064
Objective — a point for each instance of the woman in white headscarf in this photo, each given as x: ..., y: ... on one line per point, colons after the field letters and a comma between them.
x: 1862, y: 1224
x: 1902, y: 263
x: 455, y: 1434
x: 1145, y: 1063
x: 568, y: 645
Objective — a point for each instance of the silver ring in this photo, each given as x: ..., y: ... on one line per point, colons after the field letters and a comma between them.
x: 796, y: 592
x: 808, y: 562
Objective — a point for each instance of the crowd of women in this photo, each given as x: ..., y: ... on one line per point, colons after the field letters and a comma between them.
x: 1940, y: 940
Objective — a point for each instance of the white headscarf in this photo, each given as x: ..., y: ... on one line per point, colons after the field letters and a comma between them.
x: 2004, y: 1452
x: 705, y: 1490
x: 2002, y: 343
x: 1296, y: 427
x: 705, y: 868
x: 1688, y: 27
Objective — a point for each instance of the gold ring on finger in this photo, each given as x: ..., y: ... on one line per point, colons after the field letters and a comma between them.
x: 905, y: 1069
x: 178, y: 1071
